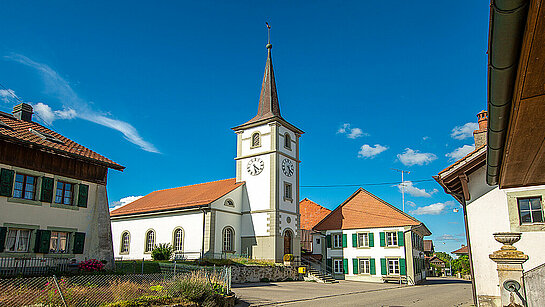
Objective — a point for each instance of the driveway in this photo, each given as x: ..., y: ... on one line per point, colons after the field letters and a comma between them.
x: 436, y: 292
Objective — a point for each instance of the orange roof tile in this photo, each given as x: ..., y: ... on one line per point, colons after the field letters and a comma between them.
x: 179, y: 198
x: 461, y: 251
x: 365, y: 210
x: 27, y: 134
x: 311, y: 213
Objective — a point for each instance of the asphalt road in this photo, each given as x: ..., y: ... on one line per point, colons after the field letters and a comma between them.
x: 436, y: 292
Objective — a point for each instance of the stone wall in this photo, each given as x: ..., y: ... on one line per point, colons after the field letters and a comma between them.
x: 245, y: 274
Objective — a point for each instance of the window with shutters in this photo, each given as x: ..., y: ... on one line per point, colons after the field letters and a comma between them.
x: 125, y: 242
x: 178, y: 240
x: 393, y: 267
x: 17, y: 240
x: 58, y: 243
x: 363, y: 239
x: 150, y: 241
x: 364, y: 266
x: 337, y: 240
x: 256, y: 140
x: 391, y: 238
x: 338, y: 266
x: 228, y: 239
x: 64, y: 193
x: 25, y: 186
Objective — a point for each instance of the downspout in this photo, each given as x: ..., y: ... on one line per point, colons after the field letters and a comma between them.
x: 203, y: 231
x: 507, y: 23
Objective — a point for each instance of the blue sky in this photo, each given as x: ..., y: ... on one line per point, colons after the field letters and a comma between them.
x: 156, y: 87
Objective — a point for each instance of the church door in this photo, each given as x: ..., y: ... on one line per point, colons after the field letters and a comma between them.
x: 287, y: 242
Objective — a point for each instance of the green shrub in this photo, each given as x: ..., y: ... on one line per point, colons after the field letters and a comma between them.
x: 143, y: 301
x: 162, y: 252
x: 191, y: 289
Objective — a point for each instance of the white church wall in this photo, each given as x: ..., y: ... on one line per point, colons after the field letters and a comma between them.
x: 287, y: 204
x: 265, y: 132
x: 255, y: 224
x: 291, y: 224
x: 224, y: 219
x: 281, y: 145
x: 258, y: 187
x: 236, y: 196
x: 163, y: 225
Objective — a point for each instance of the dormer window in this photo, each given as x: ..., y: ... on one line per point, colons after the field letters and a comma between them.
x: 287, y: 141
x: 46, y: 136
x: 256, y: 140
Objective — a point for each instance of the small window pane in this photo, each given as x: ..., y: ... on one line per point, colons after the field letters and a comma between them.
x: 537, y: 217
x: 524, y: 204
x: 535, y: 203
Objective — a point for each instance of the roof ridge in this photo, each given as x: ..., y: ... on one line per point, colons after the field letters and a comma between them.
x: 195, y: 184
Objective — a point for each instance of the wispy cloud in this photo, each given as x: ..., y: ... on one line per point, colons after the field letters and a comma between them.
x: 414, y: 191
x: 7, y: 95
x: 123, y: 201
x: 433, y: 209
x: 448, y: 237
x: 410, y: 203
x: 75, y: 106
x: 351, y: 133
x: 367, y: 151
x: 460, y: 152
x: 414, y: 157
x: 464, y: 132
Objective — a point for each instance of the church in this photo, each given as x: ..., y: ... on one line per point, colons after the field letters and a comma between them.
x: 255, y: 214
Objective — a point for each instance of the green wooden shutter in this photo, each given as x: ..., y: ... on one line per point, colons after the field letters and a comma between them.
x: 355, y: 266
x: 42, y: 241
x: 402, y: 266
x: 400, y: 238
x: 47, y: 190
x: 6, y: 182
x: 344, y: 240
x: 82, y: 195
x: 354, y: 240
x: 371, y: 239
x: 328, y: 239
x: 382, y: 239
x: 329, y: 265
x: 79, y: 242
x: 345, y: 266
x: 372, y: 266
x: 383, y: 266
x: 3, y: 231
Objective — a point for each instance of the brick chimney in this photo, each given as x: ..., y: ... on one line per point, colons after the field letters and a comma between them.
x: 480, y: 135
x: 23, y: 111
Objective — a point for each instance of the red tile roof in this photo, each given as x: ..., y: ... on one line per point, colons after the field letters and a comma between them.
x: 461, y: 251
x: 365, y: 210
x: 179, y: 198
x: 28, y: 134
x: 311, y: 213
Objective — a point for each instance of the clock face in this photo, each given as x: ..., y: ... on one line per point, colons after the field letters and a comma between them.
x: 255, y: 166
x: 287, y: 167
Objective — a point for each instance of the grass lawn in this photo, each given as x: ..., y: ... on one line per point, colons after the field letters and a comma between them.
x: 151, y: 266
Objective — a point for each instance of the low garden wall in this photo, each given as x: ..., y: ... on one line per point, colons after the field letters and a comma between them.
x: 245, y: 274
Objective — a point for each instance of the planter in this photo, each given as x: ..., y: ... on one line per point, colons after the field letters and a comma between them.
x: 507, y: 239
x: 288, y: 263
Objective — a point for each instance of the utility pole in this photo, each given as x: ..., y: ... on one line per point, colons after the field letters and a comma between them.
x: 402, y: 185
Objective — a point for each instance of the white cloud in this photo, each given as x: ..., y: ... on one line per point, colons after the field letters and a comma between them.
x: 414, y: 157
x: 47, y: 115
x: 123, y: 201
x: 75, y: 106
x: 449, y: 237
x: 425, y: 138
x: 367, y: 151
x: 351, y: 133
x: 464, y: 132
x: 461, y: 152
x: 410, y: 203
x: 7, y: 95
x: 414, y: 191
x: 433, y: 209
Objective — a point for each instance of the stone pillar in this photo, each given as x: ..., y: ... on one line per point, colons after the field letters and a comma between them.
x: 509, y: 261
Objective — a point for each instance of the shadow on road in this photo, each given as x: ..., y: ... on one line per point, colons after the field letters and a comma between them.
x: 256, y: 284
x: 443, y: 281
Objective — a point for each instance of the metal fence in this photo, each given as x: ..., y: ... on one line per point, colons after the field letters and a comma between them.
x: 33, y: 266
x: 101, y: 290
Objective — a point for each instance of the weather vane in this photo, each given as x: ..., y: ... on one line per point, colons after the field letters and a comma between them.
x: 268, y: 32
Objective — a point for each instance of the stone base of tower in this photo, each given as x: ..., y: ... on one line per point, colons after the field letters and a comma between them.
x: 269, y: 248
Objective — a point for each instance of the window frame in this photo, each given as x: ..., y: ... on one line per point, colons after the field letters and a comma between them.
x: 367, y: 267
x: 175, y: 240
x: 287, y: 141
x: 122, y: 250
x: 24, y: 186
x: 366, y: 234
x: 58, y: 235
x: 396, y: 267
x: 387, y: 238
x: 530, y: 210
x: 341, y: 266
x: 253, y: 139
x: 63, y: 193
x: 340, y: 241
x: 147, y: 242
x: 228, y: 244
x: 229, y: 203
x: 288, y: 187
x: 17, y: 240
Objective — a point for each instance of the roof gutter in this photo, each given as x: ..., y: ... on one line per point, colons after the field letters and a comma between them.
x: 507, y: 23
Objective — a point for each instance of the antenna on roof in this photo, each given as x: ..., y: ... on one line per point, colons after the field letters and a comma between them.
x: 402, y: 185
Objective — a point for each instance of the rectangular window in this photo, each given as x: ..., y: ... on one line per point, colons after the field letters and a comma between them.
x: 287, y: 191
x: 391, y: 238
x: 318, y: 241
x: 58, y: 243
x: 363, y: 239
x: 337, y: 240
x: 364, y: 266
x: 530, y: 210
x: 338, y: 266
x: 17, y: 240
x: 393, y: 266
x: 64, y: 193
x: 25, y: 187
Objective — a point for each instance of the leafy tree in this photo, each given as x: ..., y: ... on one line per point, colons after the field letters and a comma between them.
x: 162, y: 252
x: 445, y: 257
x: 461, y: 264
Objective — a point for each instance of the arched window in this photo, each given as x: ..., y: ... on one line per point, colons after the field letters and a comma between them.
x: 256, y: 139
x: 228, y: 239
x: 150, y: 241
x: 287, y: 241
x: 178, y: 243
x: 229, y: 202
x: 287, y: 141
x: 125, y: 242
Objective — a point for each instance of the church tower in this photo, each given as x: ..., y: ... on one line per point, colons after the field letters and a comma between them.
x: 268, y: 161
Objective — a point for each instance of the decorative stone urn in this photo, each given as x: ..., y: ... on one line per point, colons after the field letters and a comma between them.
x: 508, y: 251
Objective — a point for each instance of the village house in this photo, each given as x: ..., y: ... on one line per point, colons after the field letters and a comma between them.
x: 311, y: 240
x: 255, y: 214
x: 52, y: 193
x: 368, y: 239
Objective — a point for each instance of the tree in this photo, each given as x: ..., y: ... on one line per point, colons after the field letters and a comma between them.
x: 444, y: 256
x: 461, y: 265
